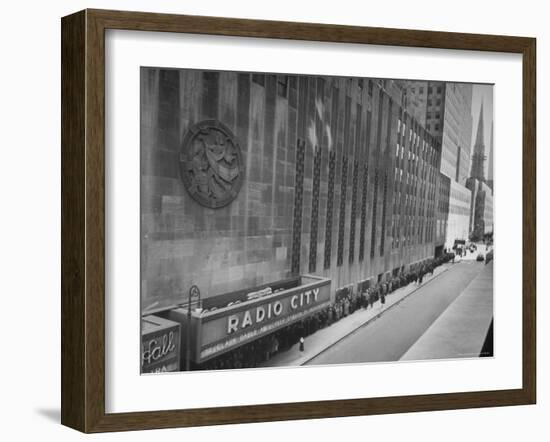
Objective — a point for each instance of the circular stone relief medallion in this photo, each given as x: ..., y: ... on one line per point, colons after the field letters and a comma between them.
x: 211, y: 164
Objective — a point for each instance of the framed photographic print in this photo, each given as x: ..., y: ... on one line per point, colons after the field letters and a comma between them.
x: 269, y: 220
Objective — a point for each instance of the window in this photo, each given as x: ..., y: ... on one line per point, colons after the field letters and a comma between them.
x: 438, y: 102
x: 429, y: 102
x: 428, y: 115
x: 421, y: 90
x: 430, y: 90
x: 437, y: 127
x: 439, y: 89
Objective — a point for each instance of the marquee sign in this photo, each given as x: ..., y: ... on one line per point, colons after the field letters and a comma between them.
x: 234, y: 326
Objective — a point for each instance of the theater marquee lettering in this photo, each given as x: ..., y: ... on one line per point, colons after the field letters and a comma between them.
x: 253, y: 333
x: 271, y: 310
x: 158, y: 348
x: 244, y: 323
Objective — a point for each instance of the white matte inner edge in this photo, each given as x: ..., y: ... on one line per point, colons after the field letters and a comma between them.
x: 127, y: 391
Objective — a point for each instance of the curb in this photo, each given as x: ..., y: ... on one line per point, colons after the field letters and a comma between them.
x: 374, y: 318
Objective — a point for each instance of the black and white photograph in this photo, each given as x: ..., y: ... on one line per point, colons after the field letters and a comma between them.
x: 252, y: 221
x: 301, y: 220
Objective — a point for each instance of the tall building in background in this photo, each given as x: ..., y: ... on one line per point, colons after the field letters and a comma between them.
x: 490, y: 179
x: 445, y: 111
x: 415, y: 99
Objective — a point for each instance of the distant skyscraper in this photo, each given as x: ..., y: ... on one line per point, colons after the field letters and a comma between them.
x: 416, y: 99
x: 445, y: 110
x: 478, y: 156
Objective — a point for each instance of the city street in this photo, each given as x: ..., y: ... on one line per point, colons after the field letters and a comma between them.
x: 389, y: 337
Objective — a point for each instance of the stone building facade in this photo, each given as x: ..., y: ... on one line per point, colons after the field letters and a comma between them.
x: 458, y: 223
x: 336, y: 179
x: 481, y: 208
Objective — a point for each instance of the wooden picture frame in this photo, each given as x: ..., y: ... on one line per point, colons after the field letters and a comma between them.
x: 83, y: 220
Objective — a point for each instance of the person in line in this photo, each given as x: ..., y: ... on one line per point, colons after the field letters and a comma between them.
x: 382, y: 297
x: 372, y: 296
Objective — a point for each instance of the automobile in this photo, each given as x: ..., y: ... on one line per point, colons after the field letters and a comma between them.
x: 480, y: 257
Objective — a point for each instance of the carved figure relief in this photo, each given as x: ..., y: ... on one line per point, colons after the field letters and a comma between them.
x: 211, y: 164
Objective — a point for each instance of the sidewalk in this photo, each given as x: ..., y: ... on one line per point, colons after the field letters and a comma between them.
x: 327, y: 337
x: 461, y: 330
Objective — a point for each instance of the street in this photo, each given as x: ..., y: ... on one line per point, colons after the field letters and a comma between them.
x: 390, y: 336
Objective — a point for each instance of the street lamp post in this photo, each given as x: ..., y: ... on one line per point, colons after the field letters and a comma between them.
x: 194, y: 292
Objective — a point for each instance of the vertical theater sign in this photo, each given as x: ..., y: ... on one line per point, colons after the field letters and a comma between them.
x: 160, y: 345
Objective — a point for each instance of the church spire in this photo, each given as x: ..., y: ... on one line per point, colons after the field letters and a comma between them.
x: 480, y: 130
x: 478, y: 157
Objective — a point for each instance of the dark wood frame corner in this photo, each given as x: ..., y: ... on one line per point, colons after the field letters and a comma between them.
x: 83, y: 216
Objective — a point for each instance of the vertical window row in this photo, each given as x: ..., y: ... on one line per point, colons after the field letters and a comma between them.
x: 374, y: 206
x: 315, y: 209
x: 363, y: 214
x: 358, y: 128
x: 342, y: 219
x: 377, y: 144
x: 383, y: 232
x: 298, y: 197
x: 353, y: 212
x: 330, y: 204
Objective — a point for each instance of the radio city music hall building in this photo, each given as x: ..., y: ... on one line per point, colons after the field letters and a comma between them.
x: 272, y: 194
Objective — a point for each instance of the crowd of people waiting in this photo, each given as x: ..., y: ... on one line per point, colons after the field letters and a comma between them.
x: 261, y: 350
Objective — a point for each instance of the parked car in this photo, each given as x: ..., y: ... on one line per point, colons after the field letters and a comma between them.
x: 480, y: 257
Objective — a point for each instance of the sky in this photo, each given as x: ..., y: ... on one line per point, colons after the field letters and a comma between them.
x: 483, y: 92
